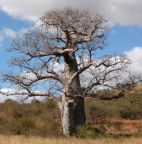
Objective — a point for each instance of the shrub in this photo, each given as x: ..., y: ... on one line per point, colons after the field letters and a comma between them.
x: 131, y: 114
x: 87, y: 131
x: 22, y: 125
x: 50, y: 104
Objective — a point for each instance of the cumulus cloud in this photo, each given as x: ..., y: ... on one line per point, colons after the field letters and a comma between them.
x: 128, y: 12
x: 135, y: 55
x: 21, y: 98
x: 1, y: 38
x: 7, y: 32
x: 10, y: 33
x: 4, y: 97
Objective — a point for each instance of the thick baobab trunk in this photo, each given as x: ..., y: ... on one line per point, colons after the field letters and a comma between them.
x: 79, y: 111
x: 73, y: 114
x: 73, y: 109
x: 67, y: 111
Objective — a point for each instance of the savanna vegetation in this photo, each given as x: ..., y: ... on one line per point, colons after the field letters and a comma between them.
x: 115, y: 118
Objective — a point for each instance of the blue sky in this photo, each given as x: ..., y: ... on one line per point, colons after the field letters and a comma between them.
x: 9, y: 26
x: 124, y: 38
x: 121, y: 38
x: 125, y: 18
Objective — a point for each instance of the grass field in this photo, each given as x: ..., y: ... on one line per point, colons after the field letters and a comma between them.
x: 39, y: 140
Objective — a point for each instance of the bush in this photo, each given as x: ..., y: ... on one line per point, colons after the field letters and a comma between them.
x: 87, y: 131
x: 50, y: 104
x: 131, y: 115
x: 22, y: 125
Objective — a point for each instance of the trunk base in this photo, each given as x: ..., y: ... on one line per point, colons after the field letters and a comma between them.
x: 73, y: 114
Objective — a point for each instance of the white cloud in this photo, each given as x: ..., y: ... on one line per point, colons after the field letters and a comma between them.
x: 9, y: 33
x: 21, y: 98
x: 135, y: 55
x: 1, y: 38
x: 118, y: 11
x: 8, y: 90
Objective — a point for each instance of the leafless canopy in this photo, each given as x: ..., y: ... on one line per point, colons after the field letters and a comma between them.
x: 64, y: 36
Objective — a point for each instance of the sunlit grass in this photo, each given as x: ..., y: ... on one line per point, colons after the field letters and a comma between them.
x: 39, y: 140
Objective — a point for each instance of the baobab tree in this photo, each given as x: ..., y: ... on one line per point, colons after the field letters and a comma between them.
x: 58, y: 60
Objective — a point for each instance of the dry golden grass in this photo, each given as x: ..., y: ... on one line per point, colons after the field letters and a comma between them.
x: 138, y: 88
x: 38, y: 140
x: 129, y: 127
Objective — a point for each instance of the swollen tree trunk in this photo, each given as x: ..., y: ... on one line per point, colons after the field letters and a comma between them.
x: 79, y: 111
x: 67, y: 111
x: 73, y: 114
x: 73, y: 109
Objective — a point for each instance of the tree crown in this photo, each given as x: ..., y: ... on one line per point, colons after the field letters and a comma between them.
x: 64, y: 44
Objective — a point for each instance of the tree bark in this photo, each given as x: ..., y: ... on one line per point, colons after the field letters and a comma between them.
x: 67, y: 111
x: 79, y: 111
x: 72, y: 114
x: 73, y: 108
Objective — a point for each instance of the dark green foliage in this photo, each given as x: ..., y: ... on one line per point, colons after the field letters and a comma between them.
x: 89, y: 131
x: 86, y: 132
